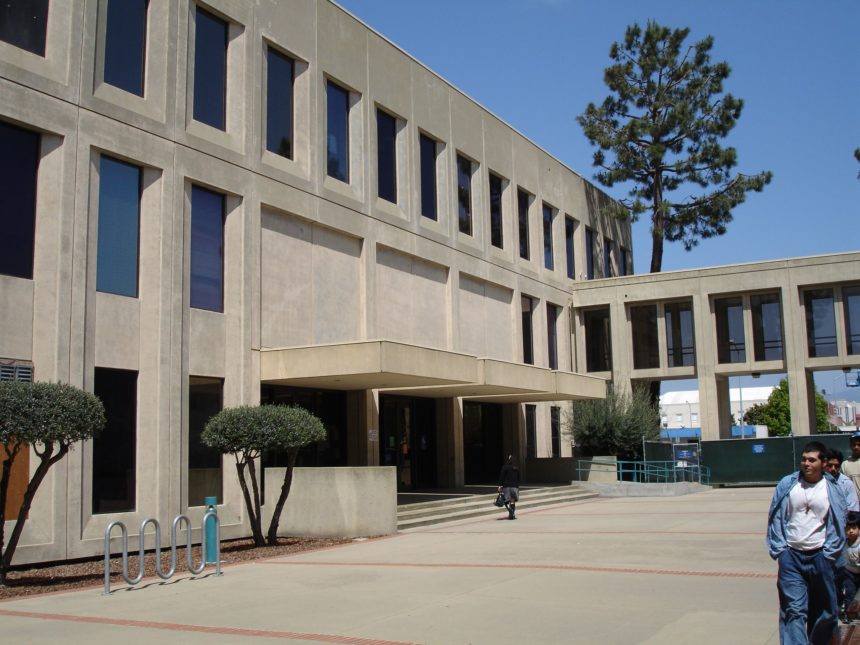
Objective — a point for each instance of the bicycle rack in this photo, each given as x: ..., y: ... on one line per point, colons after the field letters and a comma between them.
x: 142, y: 539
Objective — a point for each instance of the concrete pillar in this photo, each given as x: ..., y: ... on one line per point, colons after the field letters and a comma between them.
x: 710, y: 418
x: 362, y: 429
x: 450, y: 470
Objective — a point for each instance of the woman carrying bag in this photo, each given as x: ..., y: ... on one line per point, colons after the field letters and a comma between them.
x: 509, y: 486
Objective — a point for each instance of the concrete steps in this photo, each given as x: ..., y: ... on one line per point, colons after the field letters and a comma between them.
x: 410, y: 516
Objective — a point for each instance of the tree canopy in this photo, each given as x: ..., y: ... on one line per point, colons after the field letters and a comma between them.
x: 659, y: 131
x: 776, y: 412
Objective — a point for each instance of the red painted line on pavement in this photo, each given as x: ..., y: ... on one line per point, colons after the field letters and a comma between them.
x: 203, y: 629
x: 626, y: 513
x: 630, y: 533
x: 550, y: 567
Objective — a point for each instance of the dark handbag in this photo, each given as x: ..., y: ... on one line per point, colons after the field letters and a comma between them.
x: 500, y: 500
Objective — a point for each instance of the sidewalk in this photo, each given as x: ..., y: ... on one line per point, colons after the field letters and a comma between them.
x: 691, y: 569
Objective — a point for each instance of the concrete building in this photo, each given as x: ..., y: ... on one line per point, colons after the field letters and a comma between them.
x: 679, y: 411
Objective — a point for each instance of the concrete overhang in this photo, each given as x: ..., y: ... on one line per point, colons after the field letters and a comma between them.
x: 365, y: 365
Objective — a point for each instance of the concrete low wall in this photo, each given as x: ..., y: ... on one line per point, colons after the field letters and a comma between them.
x: 634, y: 489
x: 550, y: 470
x: 603, y: 472
x: 335, y: 502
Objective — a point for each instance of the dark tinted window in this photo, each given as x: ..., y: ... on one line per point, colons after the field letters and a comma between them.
x: 125, y: 44
x: 204, y: 463
x: 527, y: 306
x: 386, y: 156
x: 552, y: 312
x: 464, y: 194
x: 119, y: 225
x: 767, y: 326
x: 680, y: 340
x: 210, y: 70
x: 598, y: 341
x: 624, y: 267
x: 555, y: 430
x: 820, y: 322
x: 548, y: 258
x: 731, y: 342
x: 569, y: 227
x: 643, y: 322
x: 207, y: 249
x: 851, y: 307
x: 523, y: 217
x: 607, y: 258
x: 337, y: 133
x: 19, y: 165
x: 589, y: 254
x: 428, y: 176
x: 496, y: 211
x: 24, y: 23
x: 114, y: 449
x: 279, y: 103
x: 531, y: 431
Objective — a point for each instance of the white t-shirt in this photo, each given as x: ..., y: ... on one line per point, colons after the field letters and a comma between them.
x: 808, y: 508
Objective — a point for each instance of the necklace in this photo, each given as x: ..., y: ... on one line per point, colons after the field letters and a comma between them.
x: 808, y: 493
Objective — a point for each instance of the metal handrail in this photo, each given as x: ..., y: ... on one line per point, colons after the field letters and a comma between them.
x: 649, y: 472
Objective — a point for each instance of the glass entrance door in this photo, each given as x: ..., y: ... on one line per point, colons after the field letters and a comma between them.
x: 408, y: 440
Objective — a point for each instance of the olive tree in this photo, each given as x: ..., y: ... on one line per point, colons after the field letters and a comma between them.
x: 50, y: 417
x: 246, y: 432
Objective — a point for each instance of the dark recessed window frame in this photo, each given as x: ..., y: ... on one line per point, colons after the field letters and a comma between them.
x: 280, y: 83
x: 208, y: 214
x: 548, y: 255
x: 428, y: 152
x: 24, y: 24
x: 117, y: 259
x: 523, y: 203
x: 125, y: 45
x: 465, y: 170
x: 211, y: 40
x: 386, y: 156
x: 20, y: 153
x: 337, y: 131
x: 496, y: 222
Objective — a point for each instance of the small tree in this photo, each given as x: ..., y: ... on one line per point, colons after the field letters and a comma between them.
x: 50, y: 417
x: 615, y: 425
x: 776, y: 413
x: 246, y: 432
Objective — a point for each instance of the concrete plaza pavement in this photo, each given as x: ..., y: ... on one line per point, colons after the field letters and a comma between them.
x: 689, y: 569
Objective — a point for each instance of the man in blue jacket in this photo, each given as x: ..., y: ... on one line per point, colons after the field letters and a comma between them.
x: 806, y: 534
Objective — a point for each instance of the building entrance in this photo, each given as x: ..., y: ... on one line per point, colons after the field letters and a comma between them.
x: 408, y: 440
x: 482, y: 442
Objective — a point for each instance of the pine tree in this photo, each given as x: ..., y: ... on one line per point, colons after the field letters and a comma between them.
x: 661, y: 127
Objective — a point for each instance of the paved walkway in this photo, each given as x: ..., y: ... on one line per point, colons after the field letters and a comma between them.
x: 689, y: 569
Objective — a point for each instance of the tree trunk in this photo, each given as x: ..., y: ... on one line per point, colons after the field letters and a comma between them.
x: 657, y: 224
x: 285, y: 492
x: 253, y: 518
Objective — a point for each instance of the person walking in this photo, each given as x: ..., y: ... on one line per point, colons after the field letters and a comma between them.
x: 851, y: 466
x: 509, y: 486
x: 806, y: 535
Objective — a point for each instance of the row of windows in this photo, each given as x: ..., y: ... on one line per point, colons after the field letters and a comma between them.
x: 124, y: 67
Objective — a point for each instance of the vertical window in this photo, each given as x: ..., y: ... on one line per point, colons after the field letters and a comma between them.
x: 548, y: 259
x: 624, y: 267
x: 643, y: 323
x: 569, y: 227
x: 464, y: 194
x: 523, y: 199
x: 204, y: 463
x: 386, y: 156
x: 555, y: 430
x: 125, y: 45
x: 207, y: 249
x: 210, y: 69
x: 598, y: 341
x: 280, y: 74
x: 114, y: 449
x: 607, y: 258
x: 19, y: 167
x: 337, y: 132
x: 552, y: 312
x: 24, y: 23
x: 851, y: 306
x: 820, y: 322
x: 589, y: 253
x: 680, y: 343
x: 731, y: 345
x: 531, y: 431
x: 527, y: 307
x: 119, y: 226
x: 428, y: 176
x: 767, y: 327
x: 496, y: 211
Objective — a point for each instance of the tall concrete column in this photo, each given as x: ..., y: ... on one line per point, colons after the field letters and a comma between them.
x: 450, y: 470
x: 800, y: 385
x: 362, y: 428
x: 710, y: 385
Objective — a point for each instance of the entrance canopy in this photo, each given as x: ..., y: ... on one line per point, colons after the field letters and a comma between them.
x: 411, y: 370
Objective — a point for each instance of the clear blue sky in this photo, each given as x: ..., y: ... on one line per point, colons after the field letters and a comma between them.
x: 796, y: 64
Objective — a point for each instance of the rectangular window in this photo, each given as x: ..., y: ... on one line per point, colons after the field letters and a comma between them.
x: 624, y: 267
x: 643, y: 323
x: 531, y: 431
x: 428, y: 176
x: 24, y: 24
x: 464, y: 194
x: 569, y: 228
x: 820, y: 322
x: 694, y: 418
x: 589, y: 253
x: 204, y: 463
x: 552, y: 313
x: 548, y: 258
x: 496, y: 234
x: 337, y: 132
x: 523, y: 200
x: 207, y: 249
x: 731, y: 343
x: 680, y: 343
x: 767, y: 327
x: 115, y: 448
x: 119, y: 227
x: 607, y: 258
x: 280, y: 76
x: 555, y: 430
x: 386, y: 156
x: 19, y: 169
x: 851, y: 306
x: 598, y: 341
x: 125, y: 45
x: 210, y: 69
x: 527, y: 307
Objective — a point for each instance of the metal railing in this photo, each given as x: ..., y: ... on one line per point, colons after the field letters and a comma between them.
x: 164, y: 575
x: 646, y: 472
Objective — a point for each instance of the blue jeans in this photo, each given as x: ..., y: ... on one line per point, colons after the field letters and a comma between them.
x: 807, y: 598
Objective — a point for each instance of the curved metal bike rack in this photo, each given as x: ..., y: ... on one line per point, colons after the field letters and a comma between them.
x: 164, y: 575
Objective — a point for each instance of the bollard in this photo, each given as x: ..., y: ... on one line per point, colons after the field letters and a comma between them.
x: 211, y: 537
